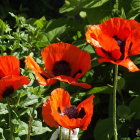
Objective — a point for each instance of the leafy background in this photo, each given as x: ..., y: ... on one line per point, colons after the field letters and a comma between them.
x: 27, y: 26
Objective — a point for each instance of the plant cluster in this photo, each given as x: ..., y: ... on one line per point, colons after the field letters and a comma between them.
x: 60, y: 76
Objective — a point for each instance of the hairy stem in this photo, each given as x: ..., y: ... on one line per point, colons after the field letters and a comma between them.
x: 114, y: 103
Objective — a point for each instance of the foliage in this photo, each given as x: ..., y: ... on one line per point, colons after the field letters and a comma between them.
x: 22, y: 35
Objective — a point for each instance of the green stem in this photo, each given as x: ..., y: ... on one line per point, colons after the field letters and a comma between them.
x: 117, y: 4
x: 69, y: 134
x: 60, y: 134
x: 29, y: 127
x: 114, y: 103
x: 10, y: 119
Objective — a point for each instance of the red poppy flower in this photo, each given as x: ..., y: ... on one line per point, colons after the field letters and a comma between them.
x: 9, y: 84
x: 57, y: 111
x: 115, y: 40
x: 64, y: 62
x: 10, y: 79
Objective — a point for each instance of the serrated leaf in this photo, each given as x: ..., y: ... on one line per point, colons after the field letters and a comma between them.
x: 20, y: 127
x: 29, y: 100
x: 3, y: 109
x: 38, y: 129
x: 4, y: 27
x: 39, y: 23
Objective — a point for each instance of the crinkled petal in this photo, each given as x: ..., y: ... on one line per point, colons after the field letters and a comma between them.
x: 9, y: 65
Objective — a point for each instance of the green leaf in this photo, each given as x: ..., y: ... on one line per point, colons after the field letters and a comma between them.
x: 3, y: 109
x: 135, y: 107
x: 39, y: 23
x: 38, y: 129
x: 2, y: 136
x: 103, y: 130
x: 120, y: 84
x: 20, y: 127
x: 29, y: 100
x: 56, y: 32
x: 123, y: 111
x: 102, y: 89
x: 99, y: 14
x: 4, y: 27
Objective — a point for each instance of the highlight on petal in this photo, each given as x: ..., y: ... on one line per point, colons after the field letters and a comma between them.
x: 67, y: 115
x: 129, y: 64
x: 125, y: 63
x: 11, y: 83
x: 41, y: 75
x: 9, y: 65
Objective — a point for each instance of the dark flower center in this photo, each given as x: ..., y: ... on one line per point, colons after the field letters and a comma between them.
x: 72, y: 112
x: 121, y: 44
x: 9, y: 90
x: 61, y: 68
x: 78, y: 72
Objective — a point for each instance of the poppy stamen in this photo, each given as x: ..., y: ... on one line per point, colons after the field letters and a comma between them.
x: 9, y: 90
x: 61, y: 68
x: 71, y: 112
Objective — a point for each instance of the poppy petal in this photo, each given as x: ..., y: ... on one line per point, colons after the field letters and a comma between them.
x: 125, y: 63
x: 60, y: 98
x: 9, y: 65
x: 87, y: 105
x: 79, y: 60
x: 134, y: 48
x: 65, y: 121
x: 12, y: 82
x: 105, y: 45
x: 41, y: 75
x: 72, y: 81
x: 55, y: 105
x: 46, y: 113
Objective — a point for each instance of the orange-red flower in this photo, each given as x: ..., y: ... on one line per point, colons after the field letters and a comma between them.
x: 10, y: 79
x: 115, y: 40
x: 64, y: 62
x: 57, y: 111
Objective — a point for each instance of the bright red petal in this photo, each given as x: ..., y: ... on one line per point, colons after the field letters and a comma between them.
x: 125, y: 63
x: 79, y: 60
x: 12, y: 81
x: 54, y: 105
x: 87, y: 105
x: 9, y: 65
x: 41, y: 75
x: 46, y: 114
x: 72, y: 81
x: 65, y: 121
